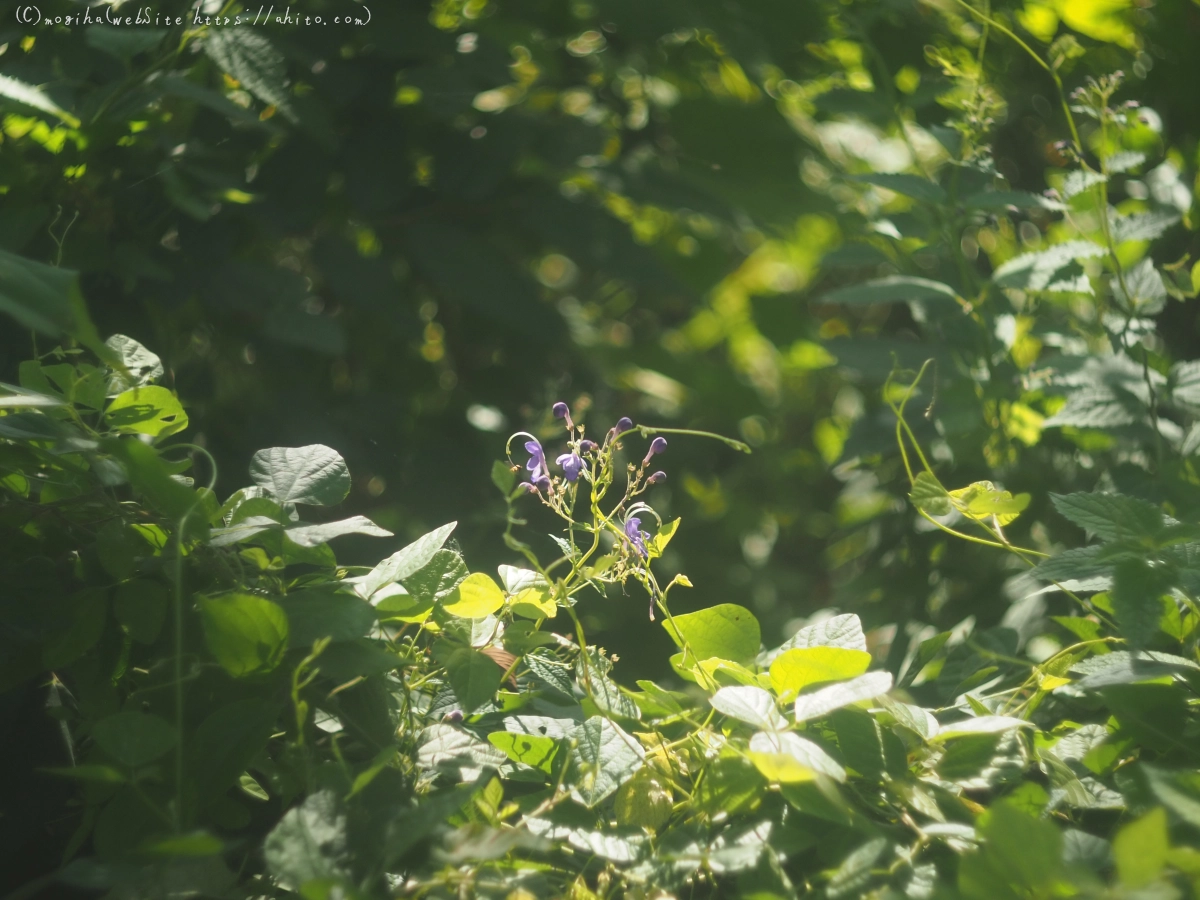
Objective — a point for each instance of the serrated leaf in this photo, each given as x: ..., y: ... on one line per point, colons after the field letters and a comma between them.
x: 825, y: 700
x: 749, y: 704
x: 1124, y: 160
x: 1079, y: 181
x: 603, y: 757
x: 1135, y: 594
x: 892, y: 289
x: 1006, y: 199
x: 33, y: 97
x: 1036, y: 271
x: 1147, y: 292
x: 475, y: 597
x: 1098, y: 407
x: 1110, y: 516
x: 794, y: 670
x: 314, y: 475
x: 253, y: 60
x: 1146, y: 226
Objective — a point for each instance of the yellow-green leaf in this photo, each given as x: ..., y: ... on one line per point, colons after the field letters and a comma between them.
x: 982, y: 500
x: 531, y: 749
x: 475, y: 597
x: 534, y: 603
x: 781, y: 768
x: 1140, y: 849
x: 149, y: 409
x: 659, y: 542
x: 795, y: 670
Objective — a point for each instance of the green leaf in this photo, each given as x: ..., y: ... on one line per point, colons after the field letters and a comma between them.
x: 1018, y: 852
x: 1006, y: 199
x: 321, y: 612
x: 306, y: 535
x: 1124, y: 667
x: 910, y: 185
x: 1076, y: 563
x: 603, y: 757
x: 854, y: 874
x: 795, y: 670
x: 749, y: 704
x: 134, y: 739
x: 474, y: 677
x: 82, y: 630
x: 1037, y: 271
x: 475, y: 597
x: 151, y: 410
x: 892, y: 289
x: 859, y: 740
x: 406, y: 562
x: 1135, y: 594
x: 27, y: 95
x: 141, y: 606
x: 94, y: 773
x: 530, y: 749
x: 446, y: 745
x: 47, y: 299
x: 150, y: 477
x: 309, y: 843
x: 316, y: 474
x: 787, y: 758
x: 1147, y: 293
x: 138, y: 366
x: 824, y: 701
x: 1140, y: 849
x: 253, y: 60
x: 1147, y: 226
x: 1109, y: 516
x: 982, y: 501
x: 657, y: 544
x: 835, y: 631
x: 226, y: 743
x: 979, y: 725
x: 726, y: 630
x: 644, y: 801
x: 503, y: 477
x: 929, y: 496
x: 246, y: 634
x: 1079, y: 181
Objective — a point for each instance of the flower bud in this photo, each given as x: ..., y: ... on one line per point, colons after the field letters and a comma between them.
x: 623, y: 424
x: 543, y: 484
x: 657, y: 478
x: 560, y: 410
x: 658, y: 445
x: 587, y: 446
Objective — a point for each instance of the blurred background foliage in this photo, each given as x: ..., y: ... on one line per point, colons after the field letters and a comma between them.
x: 407, y: 238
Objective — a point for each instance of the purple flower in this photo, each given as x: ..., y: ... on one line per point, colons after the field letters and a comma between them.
x: 658, y: 445
x: 537, y: 462
x: 571, y: 464
x: 542, y: 483
x: 657, y: 478
x: 587, y: 446
x: 560, y: 410
x: 623, y: 424
x: 635, y: 535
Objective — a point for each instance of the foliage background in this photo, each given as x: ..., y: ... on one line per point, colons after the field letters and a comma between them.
x: 393, y: 238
